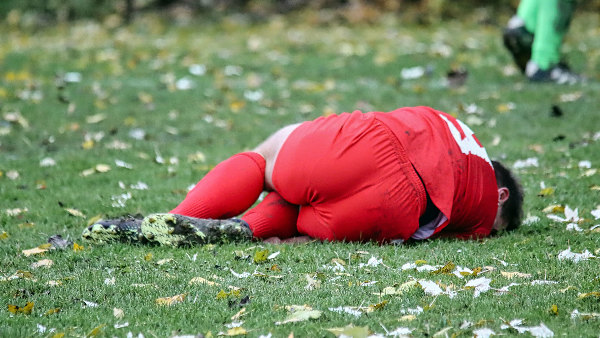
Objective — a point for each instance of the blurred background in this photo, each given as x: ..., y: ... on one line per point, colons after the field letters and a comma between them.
x: 36, y: 13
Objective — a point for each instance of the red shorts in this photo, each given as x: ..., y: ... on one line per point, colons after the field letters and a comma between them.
x: 352, y: 179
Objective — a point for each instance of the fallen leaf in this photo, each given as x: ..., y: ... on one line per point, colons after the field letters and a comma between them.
x: 34, y: 251
x: 546, y: 192
x: 118, y: 313
x: 300, y: 315
x: 350, y: 331
x: 42, y: 263
x: 77, y: 247
x: 554, y: 310
x: 96, y: 331
x: 260, y: 256
x: 588, y: 294
x: 200, y: 280
x: 4, y: 235
x: 75, y: 212
x: 239, y: 314
x: 14, y: 309
x: 446, y: 269
x: 168, y: 301
x: 52, y: 311
x: 236, y: 331
x: 511, y: 275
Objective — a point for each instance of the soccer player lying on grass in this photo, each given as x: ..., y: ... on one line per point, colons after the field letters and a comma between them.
x: 412, y: 173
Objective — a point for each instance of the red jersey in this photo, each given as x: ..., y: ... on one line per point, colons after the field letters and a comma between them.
x: 454, y: 167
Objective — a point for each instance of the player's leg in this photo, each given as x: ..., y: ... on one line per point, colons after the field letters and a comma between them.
x: 273, y: 217
x: 227, y: 190
x: 551, y: 25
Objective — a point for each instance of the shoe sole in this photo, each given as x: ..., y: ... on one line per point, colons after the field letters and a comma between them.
x: 177, y: 230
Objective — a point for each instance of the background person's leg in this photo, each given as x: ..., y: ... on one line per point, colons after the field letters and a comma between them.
x: 528, y: 11
x: 273, y: 217
x: 227, y: 190
x: 552, y: 23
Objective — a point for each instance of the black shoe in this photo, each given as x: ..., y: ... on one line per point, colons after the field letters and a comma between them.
x: 559, y: 73
x: 124, y: 229
x: 178, y: 230
x: 518, y: 40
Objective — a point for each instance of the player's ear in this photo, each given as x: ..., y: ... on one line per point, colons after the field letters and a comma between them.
x: 503, y: 194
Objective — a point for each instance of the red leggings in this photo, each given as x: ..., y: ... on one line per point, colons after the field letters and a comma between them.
x: 344, y: 177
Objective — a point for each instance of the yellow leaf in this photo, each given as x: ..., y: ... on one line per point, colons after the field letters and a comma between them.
x: 505, y: 107
x: 239, y: 314
x: 407, y: 318
x: 75, y: 212
x: 589, y: 294
x: 546, y: 192
x: 301, y: 315
x: 236, y: 106
x: 420, y: 261
x: 102, y: 168
x: 148, y: 256
x: 350, y: 331
x: 511, y: 275
x: 87, y: 145
x: 378, y: 306
x: 222, y: 295
x: 476, y: 271
x: 77, y: 247
x: 446, y: 269
x: 200, y: 280
x: 59, y: 335
x: 52, y: 311
x: 570, y: 287
x: 554, y: 310
x: 171, y: 300
x: 261, y: 256
x: 96, y: 330
x: 24, y: 310
x: 4, y: 235
x: 26, y: 225
x: 145, y: 97
x: 554, y: 208
x: 34, y: 251
x: 236, y: 331
x: 339, y: 261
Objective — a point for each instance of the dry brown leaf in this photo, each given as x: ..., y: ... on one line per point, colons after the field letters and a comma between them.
x: 75, y: 212
x: 42, y: 263
x: 511, y: 275
x: 200, y: 280
x: 118, y: 313
x: 168, y: 301
x: 34, y: 251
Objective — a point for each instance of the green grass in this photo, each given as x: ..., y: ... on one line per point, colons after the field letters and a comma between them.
x: 303, y: 72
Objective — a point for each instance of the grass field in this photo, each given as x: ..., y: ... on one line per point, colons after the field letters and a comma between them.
x: 101, y: 121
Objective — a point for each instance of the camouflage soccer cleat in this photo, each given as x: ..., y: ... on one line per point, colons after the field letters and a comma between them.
x: 179, y: 230
x: 124, y: 229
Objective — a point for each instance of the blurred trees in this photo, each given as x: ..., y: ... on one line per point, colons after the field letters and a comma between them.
x: 423, y: 11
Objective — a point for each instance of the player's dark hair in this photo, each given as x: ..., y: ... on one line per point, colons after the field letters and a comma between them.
x: 512, y: 210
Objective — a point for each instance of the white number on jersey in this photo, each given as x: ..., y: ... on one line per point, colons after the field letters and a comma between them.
x: 467, y: 145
